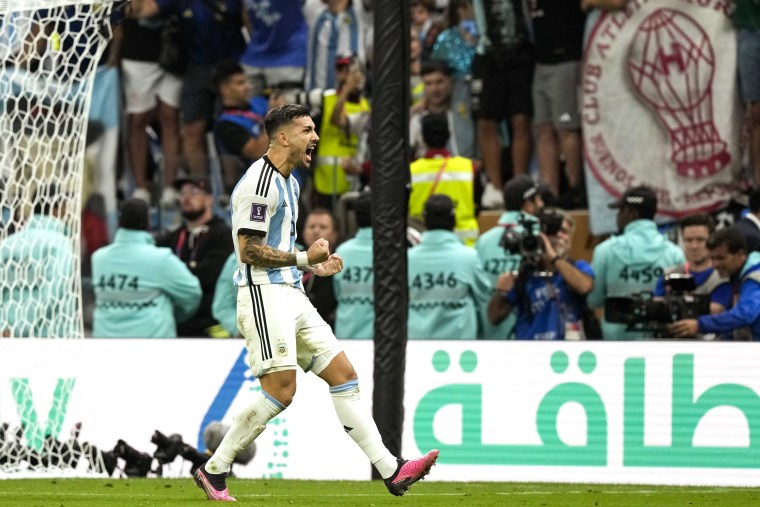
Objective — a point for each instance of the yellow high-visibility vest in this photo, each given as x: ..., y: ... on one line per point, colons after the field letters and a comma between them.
x: 452, y: 176
x: 334, y: 144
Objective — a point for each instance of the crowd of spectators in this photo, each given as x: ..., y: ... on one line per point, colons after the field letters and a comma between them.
x: 493, y: 87
x: 494, y: 124
x: 477, y: 67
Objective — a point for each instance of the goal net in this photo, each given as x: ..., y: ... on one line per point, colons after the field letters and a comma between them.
x: 49, y: 52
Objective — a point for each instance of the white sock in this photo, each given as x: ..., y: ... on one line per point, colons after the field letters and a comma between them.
x: 358, y: 423
x: 246, y: 426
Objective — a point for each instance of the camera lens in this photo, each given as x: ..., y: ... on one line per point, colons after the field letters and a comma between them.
x: 530, y: 244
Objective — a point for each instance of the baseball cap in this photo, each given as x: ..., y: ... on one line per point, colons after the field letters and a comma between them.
x: 641, y: 198
x: 200, y: 183
x: 518, y: 190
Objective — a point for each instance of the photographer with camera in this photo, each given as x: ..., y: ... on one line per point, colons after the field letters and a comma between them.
x: 523, y: 202
x: 728, y: 251
x: 695, y: 231
x: 631, y: 262
x: 548, y: 293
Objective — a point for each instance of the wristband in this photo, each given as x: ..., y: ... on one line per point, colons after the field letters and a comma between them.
x: 554, y: 260
x: 302, y: 259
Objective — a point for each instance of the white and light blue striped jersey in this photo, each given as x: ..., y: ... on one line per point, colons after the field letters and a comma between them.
x: 265, y: 203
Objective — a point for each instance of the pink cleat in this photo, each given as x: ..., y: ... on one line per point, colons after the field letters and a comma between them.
x: 409, y: 472
x: 213, y: 485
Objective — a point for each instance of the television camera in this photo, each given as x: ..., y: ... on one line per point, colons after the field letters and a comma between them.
x: 644, y: 312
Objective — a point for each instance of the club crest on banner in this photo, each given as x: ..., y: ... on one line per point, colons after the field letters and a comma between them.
x: 660, y: 104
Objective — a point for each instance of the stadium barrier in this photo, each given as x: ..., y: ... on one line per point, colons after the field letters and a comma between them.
x: 681, y: 413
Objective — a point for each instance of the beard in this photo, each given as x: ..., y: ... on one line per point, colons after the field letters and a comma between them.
x: 193, y: 214
x: 296, y: 159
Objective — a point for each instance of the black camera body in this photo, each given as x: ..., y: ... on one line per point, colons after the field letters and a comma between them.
x: 643, y: 312
x: 521, y: 238
x: 137, y: 464
x: 167, y: 448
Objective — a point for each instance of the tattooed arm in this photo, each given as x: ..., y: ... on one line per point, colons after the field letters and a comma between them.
x: 255, y: 252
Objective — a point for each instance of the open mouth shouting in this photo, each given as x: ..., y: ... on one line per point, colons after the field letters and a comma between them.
x: 310, y: 149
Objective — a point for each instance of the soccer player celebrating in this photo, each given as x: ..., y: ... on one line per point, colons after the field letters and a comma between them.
x: 281, y: 327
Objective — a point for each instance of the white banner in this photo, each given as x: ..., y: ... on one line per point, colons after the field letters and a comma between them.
x: 660, y: 106
x: 635, y: 412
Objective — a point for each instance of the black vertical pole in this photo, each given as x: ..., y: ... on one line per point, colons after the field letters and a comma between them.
x: 390, y: 174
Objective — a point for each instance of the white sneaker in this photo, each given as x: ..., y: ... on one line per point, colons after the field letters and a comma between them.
x: 143, y: 194
x: 492, y: 198
x: 169, y: 197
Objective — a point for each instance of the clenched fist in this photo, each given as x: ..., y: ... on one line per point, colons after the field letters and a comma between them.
x: 334, y: 264
x: 319, y: 251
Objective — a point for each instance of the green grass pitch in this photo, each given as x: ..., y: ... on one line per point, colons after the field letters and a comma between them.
x: 183, y: 492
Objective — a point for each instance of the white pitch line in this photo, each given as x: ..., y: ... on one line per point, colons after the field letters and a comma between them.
x: 364, y: 495
x: 612, y: 492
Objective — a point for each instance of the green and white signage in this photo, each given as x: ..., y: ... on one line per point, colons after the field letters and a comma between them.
x: 623, y: 412
x: 650, y: 412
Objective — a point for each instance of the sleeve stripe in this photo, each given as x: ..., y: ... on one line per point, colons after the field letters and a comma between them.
x: 265, y: 179
x: 262, y: 177
x: 269, y: 179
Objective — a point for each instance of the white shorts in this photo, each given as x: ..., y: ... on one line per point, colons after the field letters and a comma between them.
x: 262, y: 78
x: 282, y: 330
x: 145, y: 83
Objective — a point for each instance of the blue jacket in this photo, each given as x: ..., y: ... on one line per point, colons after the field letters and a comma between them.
x: 746, y: 311
x: 627, y: 264
x: 495, y: 261
x: 549, y: 313
x: 235, y: 124
x: 354, y: 288
x: 446, y: 287
x: 141, y: 290
x: 37, y: 267
x: 224, y: 305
